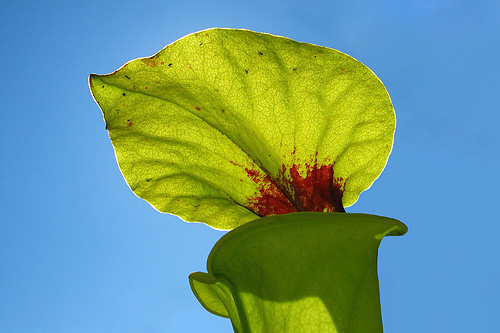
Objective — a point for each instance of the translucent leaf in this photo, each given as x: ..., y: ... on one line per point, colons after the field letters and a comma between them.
x: 224, y: 126
x: 299, y: 272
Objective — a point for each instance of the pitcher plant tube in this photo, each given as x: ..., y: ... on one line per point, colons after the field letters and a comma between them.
x: 269, y: 138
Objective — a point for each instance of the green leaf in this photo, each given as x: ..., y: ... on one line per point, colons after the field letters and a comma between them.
x: 215, y: 296
x: 224, y: 126
x: 299, y: 272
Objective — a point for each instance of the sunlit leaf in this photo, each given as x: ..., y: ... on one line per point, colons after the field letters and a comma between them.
x: 224, y: 126
x: 215, y: 296
x: 301, y: 272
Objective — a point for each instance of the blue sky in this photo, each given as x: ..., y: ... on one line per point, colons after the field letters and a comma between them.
x: 80, y: 253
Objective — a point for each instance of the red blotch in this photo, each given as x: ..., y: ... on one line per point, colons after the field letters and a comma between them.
x: 254, y: 174
x: 197, y: 108
x: 318, y: 190
x: 130, y: 123
x: 270, y: 200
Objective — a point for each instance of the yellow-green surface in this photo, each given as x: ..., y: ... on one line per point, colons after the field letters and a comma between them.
x: 224, y: 126
x: 300, y: 272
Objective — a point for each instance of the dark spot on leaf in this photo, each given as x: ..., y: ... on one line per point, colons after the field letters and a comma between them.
x: 294, y: 69
x: 145, y: 87
x: 134, y: 87
x: 123, y: 94
x: 260, y: 53
x: 197, y: 108
x: 150, y: 62
x: 234, y: 163
x: 148, y: 179
x: 127, y: 77
x: 223, y: 111
x: 170, y: 65
x: 201, y: 44
x: 246, y: 71
x: 102, y: 87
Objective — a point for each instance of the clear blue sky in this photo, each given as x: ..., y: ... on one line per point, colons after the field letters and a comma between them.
x: 80, y: 253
